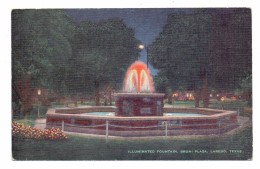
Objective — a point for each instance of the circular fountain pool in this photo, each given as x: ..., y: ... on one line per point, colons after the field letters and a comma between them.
x: 191, y: 114
x: 187, y: 114
x: 100, y: 113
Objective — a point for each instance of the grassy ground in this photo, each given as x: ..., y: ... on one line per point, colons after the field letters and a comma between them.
x: 27, y: 122
x: 34, y: 113
x: 231, y: 104
x: 93, y: 148
x: 236, y: 105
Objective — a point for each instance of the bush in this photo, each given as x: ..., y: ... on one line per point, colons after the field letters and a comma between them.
x: 22, y: 131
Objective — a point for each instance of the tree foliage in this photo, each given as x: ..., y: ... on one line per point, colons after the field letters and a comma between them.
x: 66, y: 58
x: 207, y: 43
x: 40, y: 49
x: 104, y: 50
x: 41, y: 44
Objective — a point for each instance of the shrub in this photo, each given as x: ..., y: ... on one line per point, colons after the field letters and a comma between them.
x: 22, y: 131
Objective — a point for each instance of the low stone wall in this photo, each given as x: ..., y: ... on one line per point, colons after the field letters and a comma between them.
x: 205, y: 111
x: 215, y: 121
x: 85, y: 109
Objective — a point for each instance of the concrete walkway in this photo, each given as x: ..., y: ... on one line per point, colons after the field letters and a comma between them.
x: 243, y: 123
x: 40, y: 123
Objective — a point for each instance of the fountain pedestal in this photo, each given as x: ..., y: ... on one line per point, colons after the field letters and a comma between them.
x: 139, y: 104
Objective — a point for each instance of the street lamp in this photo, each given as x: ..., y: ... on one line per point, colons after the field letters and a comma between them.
x: 39, y: 94
x: 141, y: 47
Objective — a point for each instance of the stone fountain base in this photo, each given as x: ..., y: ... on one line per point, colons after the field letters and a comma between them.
x: 139, y: 104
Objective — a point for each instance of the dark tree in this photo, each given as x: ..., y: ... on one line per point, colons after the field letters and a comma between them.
x: 40, y: 51
x: 208, y: 48
x: 101, y: 54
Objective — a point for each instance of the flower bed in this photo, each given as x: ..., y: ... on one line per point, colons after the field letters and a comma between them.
x: 22, y: 131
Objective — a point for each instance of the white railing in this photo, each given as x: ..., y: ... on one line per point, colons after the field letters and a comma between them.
x: 163, y: 126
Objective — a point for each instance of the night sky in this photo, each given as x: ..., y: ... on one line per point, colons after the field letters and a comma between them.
x: 147, y: 23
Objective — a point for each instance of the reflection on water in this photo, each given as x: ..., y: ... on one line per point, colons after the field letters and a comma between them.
x: 165, y: 114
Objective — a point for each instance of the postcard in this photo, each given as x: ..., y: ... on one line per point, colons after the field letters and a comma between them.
x: 132, y: 84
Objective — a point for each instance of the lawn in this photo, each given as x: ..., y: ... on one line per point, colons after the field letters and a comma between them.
x: 236, y: 105
x: 230, y: 104
x: 26, y: 122
x: 95, y: 148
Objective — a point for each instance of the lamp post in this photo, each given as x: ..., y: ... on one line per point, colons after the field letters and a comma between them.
x: 141, y: 47
x: 39, y: 94
x: 147, y: 57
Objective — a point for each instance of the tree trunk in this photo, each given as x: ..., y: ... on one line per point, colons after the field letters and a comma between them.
x: 197, y: 98
x: 97, y: 98
x: 205, y: 93
x: 24, y: 93
x: 110, y: 98
x: 81, y: 100
x: 105, y: 102
x: 16, y: 105
x: 26, y: 107
x: 169, y: 99
x: 205, y: 103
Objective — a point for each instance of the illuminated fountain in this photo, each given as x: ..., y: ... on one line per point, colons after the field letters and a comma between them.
x: 138, y: 111
x: 138, y: 79
x: 138, y: 98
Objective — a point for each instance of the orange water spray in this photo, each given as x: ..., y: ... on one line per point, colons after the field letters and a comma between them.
x: 138, y: 79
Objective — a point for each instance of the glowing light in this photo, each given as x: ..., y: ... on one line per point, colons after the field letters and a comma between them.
x: 141, y: 46
x: 39, y: 92
x: 211, y: 95
x: 175, y: 94
x: 138, y: 79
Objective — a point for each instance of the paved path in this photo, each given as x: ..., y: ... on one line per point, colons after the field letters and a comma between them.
x: 243, y: 123
x: 40, y: 123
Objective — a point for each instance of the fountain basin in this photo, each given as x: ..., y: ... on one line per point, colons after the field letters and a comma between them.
x: 78, y: 120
